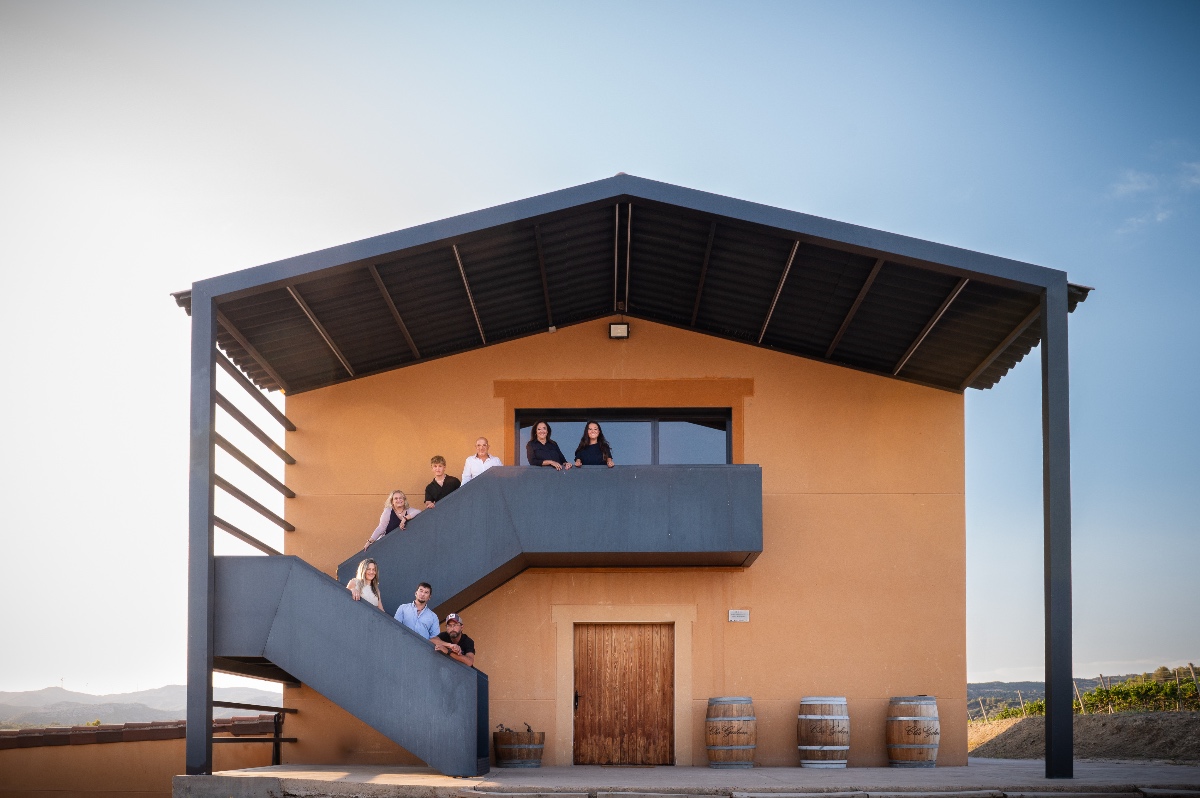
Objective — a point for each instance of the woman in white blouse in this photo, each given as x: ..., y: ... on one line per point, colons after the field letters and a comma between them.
x: 365, y: 585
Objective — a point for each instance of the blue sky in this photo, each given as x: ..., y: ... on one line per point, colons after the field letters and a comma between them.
x: 148, y: 145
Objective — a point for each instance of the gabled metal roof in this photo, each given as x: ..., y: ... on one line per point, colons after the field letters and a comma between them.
x: 879, y: 302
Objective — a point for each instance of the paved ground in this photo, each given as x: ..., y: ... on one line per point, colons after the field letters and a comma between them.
x: 983, y: 778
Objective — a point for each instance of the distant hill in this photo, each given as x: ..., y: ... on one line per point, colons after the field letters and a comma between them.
x: 1006, y: 692
x: 996, y: 696
x: 54, y: 706
x: 70, y: 713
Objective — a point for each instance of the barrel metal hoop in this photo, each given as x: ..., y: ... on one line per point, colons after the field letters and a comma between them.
x: 823, y: 747
x: 910, y: 764
x: 824, y: 717
x: 731, y: 747
x: 912, y: 745
x: 913, y: 717
x: 735, y: 717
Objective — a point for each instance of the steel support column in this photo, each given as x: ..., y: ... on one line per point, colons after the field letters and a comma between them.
x: 1056, y: 511
x: 201, y: 568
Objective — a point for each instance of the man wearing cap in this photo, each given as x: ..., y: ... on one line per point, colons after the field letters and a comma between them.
x: 453, y: 643
x: 417, y: 616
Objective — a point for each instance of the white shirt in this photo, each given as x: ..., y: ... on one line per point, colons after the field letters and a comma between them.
x: 474, y: 466
x: 365, y: 591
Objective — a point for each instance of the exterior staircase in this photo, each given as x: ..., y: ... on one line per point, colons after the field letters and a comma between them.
x: 279, y: 617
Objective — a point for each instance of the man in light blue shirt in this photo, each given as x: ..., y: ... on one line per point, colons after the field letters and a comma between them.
x: 417, y: 616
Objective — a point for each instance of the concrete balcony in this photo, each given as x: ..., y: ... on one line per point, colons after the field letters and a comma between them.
x: 511, y: 519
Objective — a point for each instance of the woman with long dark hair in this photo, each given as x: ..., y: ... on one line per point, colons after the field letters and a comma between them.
x: 593, y: 449
x: 542, y: 450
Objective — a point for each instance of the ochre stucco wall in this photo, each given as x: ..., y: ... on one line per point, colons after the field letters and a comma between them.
x: 135, y: 768
x: 860, y: 590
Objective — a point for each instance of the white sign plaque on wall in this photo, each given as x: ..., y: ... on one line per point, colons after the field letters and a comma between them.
x: 739, y: 616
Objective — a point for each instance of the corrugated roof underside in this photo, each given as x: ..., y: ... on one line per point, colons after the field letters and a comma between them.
x: 578, y: 252
x: 819, y: 292
x: 670, y: 257
x: 667, y: 254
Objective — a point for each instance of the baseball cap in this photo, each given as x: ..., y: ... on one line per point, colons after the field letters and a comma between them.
x: 454, y: 616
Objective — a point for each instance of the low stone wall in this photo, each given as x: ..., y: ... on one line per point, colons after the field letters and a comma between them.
x: 117, y: 759
x: 129, y: 732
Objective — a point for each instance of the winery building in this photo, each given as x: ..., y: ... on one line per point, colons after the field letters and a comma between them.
x: 784, y: 395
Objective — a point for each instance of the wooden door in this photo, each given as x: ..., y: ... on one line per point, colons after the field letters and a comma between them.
x: 624, y: 694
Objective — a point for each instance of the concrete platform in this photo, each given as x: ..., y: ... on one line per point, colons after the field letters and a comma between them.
x: 982, y: 778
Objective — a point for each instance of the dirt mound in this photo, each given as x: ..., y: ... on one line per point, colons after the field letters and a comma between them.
x: 980, y: 732
x: 1170, y: 736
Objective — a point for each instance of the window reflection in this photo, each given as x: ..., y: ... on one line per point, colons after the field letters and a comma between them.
x: 630, y: 441
x: 689, y: 442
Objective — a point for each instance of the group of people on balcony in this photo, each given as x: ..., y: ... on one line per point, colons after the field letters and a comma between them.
x: 540, y: 450
x: 593, y: 448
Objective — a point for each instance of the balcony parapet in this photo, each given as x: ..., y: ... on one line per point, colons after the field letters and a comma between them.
x: 510, y: 519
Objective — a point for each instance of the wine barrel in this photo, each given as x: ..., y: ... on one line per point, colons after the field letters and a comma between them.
x: 730, y: 732
x: 823, y: 732
x: 913, y: 731
x: 518, y: 749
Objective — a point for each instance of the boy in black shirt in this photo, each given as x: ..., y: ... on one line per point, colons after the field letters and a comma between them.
x: 442, y: 485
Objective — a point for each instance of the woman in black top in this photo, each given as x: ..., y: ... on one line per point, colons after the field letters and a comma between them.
x: 593, y: 449
x: 396, y: 513
x: 542, y: 451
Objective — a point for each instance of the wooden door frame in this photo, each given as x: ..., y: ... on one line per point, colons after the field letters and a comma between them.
x: 565, y: 616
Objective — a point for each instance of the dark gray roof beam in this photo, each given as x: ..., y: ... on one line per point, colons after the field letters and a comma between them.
x: 778, y: 290
x: 241, y: 380
x: 312, y: 317
x: 387, y: 298
x: 250, y: 502
x: 467, y: 286
x: 616, y: 249
x: 628, y: 253
x: 234, y: 333
x: 255, y: 468
x: 712, y: 233
x: 858, y: 300
x: 537, y: 239
x: 1004, y: 345
x: 929, y: 325
x: 246, y: 538
x: 253, y: 429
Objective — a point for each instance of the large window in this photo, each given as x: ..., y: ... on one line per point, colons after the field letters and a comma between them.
x: 653, y: 436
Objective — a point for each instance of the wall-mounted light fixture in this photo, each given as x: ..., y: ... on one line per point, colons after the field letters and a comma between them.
x: 618, y: 330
